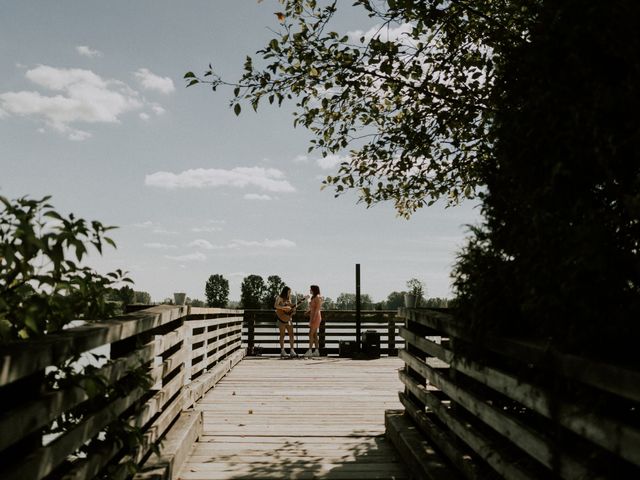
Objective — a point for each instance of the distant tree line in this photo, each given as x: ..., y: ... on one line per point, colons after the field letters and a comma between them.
x: 256, y: 293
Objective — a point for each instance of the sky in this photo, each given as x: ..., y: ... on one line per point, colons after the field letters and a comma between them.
x: 94, y: 111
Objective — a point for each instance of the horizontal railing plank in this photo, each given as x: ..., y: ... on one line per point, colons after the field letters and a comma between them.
x: 166, y: 356
x: 20, y: 359
x: 451, y: 446
x: 44, y: 460
x: 613, y: 435
x: 530, y: 440
x: 506, y: 463
x: 28, y: 417
x: 615, y: 379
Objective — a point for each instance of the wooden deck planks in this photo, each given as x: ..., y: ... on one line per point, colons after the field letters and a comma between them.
x: 299, y: 419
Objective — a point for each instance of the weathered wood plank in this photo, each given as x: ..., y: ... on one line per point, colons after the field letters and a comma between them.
x: 610, y: 378
x: 45, y: 459
x: 207, y: 323
x: 502, y: 461
x: 618, y: 438
x: 298, y: 419
x: 420, y: 457
x: 30, y: 416
x: 20, y: 359
x: 455, y: 450
x: 536, y: 443
x: 196, y: 389
x: 209, y: 311
x: 175, y: 448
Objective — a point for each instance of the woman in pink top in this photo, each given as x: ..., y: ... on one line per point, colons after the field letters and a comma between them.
x: 315, y: 317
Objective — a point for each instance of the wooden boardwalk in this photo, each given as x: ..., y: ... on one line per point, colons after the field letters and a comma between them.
x: 299, y: 419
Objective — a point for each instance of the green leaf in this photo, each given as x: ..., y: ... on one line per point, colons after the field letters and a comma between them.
x: 189, y: 75
x: 52, y: 214
x: 237, y: 109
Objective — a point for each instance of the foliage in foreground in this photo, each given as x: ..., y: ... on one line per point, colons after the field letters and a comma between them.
x: 558, y: 256
x: 43, y: 287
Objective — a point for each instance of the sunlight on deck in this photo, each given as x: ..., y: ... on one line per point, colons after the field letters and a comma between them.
x: 318, y: 418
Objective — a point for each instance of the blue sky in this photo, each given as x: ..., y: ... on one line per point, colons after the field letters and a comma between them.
x: 93, y: 111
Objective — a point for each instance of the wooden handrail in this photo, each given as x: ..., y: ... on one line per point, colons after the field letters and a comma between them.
x: 261, y: 329
x: 184, y: 350
x: 497, y: 397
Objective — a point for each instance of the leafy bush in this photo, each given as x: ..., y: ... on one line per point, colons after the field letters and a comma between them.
x: 43, y: 285
x: 558, y: 257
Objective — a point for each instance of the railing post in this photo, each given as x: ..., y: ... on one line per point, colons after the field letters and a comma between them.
x: 391, y: 337
x: 188, y: 347
x: 421, y: 331
x: 251, y: 326
x: 322, y: 334
x: 358, y: 309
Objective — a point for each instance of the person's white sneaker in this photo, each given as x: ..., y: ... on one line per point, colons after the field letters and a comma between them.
x: 316, y: 353
x: 283, y: 353
x: 292, y: 353
x: 309, y: 354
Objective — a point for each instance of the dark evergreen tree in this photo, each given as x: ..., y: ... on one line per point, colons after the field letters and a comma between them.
x: 216, y: 291
x: 558, y: 257
x: 272, y: 290
x: 252, y: 292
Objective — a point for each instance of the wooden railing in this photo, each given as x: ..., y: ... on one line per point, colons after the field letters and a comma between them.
x: 184, y: 351
x: 514, y: 409
x: 261, y: 330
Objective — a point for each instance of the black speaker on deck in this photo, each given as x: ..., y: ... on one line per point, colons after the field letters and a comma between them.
x: 371, y: 344
x: 346, y: 348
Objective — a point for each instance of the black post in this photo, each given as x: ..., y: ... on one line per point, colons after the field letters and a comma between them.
x: 391, y: 337
x: 358, y: 304
x: 251, y: 328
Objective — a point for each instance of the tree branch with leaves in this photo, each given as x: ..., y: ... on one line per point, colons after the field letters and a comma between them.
x: 411, y: 102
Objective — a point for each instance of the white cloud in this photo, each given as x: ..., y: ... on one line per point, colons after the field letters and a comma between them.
x: 78, y: 135
x: 384, y: 33
x: 83, y: 97
x: 268, y: 179
x: 301, y: 159
x: 160, y: 246
x: 157, y: 109
x: 204, y: 244
x: 151, y: 81
x: 146, y: 224
x: 331, y: 161
x: 206, y: 229
x: 164, y: 231
x: 256, y: 196
x: 281, y: 243
x: 235, y: 244
x: 190, y: 257
x: 144, y: 116
x: 86, y: 51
